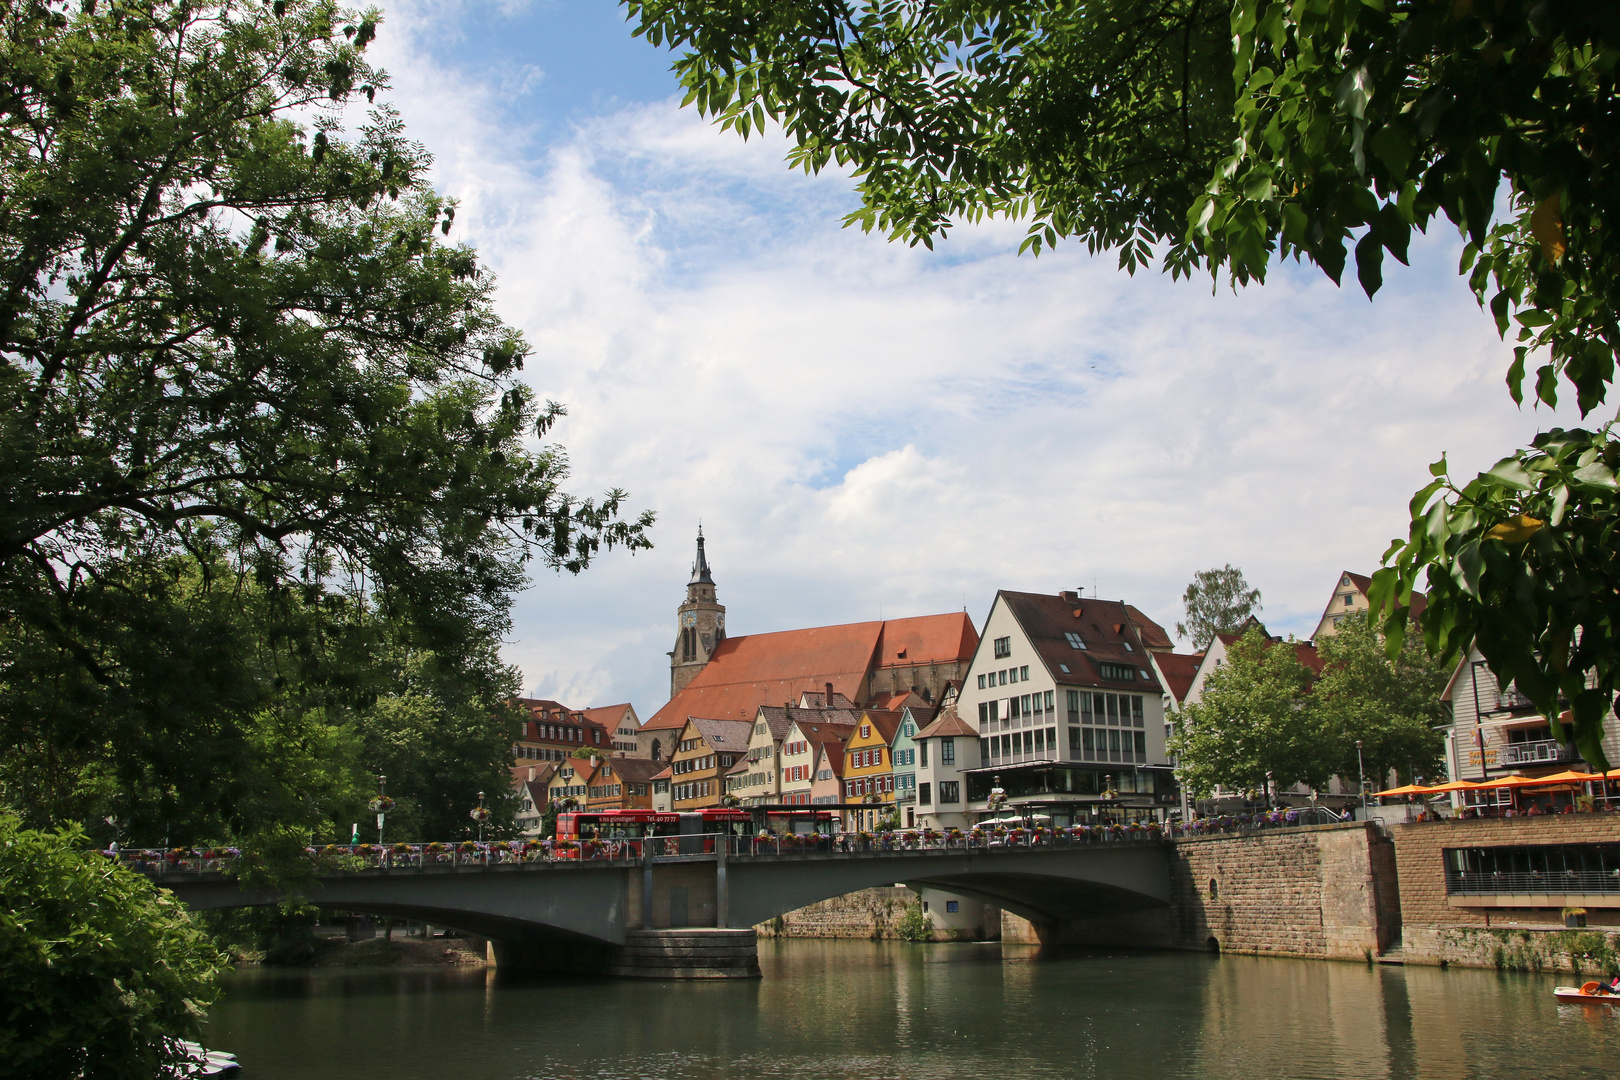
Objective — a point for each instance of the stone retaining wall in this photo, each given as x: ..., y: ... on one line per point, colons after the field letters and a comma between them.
x: 875, y: 914
x: 1436, y: 931
x: 1321, y: 892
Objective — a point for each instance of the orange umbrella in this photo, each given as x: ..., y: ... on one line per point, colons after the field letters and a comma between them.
x: 1409, y: 789
x: 1458, y: 785
x: 1511, y: 782
x: 1569, y: 776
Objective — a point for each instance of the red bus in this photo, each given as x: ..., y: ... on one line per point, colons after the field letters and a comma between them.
x: 628, y: 827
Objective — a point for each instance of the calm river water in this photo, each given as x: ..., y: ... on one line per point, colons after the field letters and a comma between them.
x: 836, y: 1009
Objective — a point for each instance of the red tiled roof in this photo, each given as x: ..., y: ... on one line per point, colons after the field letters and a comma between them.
x: 948, y: 724
x: 662, y: 774
x: 927, y: 639
x: 835, y: 756
x: 1104, y: 626
x: 635, y: 770
x: 758, y: 669
x: 724, y: 736
x: 1178, y: 670
x: 1151, y: 633
x: 1309, y: 656
x: 606, y: 715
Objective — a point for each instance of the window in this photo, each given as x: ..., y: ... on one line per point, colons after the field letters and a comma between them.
x: 1074, y: 705
x: 1003, y: 647
x: 1074, y: 640
x: 1001, y: 677
x: 1040, y: 740
x: 952, y: 906
x: 877, y: 755
x: 985, y: 752
x: 947, y: 751
x: 922, y: 758
x: 925, y: 794
x: 1127, y: 646
x: 1049, y: 701
x: 950, y: 791
x: 1023, y: 673
x: 1024, y: 703
x: 1121, y: 672
x: 1349, y: 599
x: 984, y: 714
x: 866, y: 731
x: 981, y: 681
x: 1141, y: 744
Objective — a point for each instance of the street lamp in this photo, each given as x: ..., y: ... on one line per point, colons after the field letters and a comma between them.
x: 480, y: 814
x: 381, y: 805
x: 1361, y: 772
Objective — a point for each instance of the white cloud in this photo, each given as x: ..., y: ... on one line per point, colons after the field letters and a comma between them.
x: 866, y: 428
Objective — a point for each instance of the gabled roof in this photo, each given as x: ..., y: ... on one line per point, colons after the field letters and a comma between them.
x: 607, y: 715
x: 1104, y: 626
x: 895, y: 700
x: 1178, y: 671
x: 776, y: 719
x: 583, y: 770
x: 833, y: 752
x: 635, y: 770
x: 947, y: 725
x: 1151, y: 633
x: 742, y: 766
x: 820, y: 732
x: 541, y: 772
x: 755, y: 669
x: 926, y: 639
x: 921, y: 715
x: 1363, y: 584
x: 662, y: 774
x: 817, y: 699
x: 886, y: 721
x: 1304, y: 650
x: 723, y: 735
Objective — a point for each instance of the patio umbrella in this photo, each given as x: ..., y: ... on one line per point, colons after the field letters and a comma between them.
x: 1407, y: 789
x: 1569, y: 776
x: 1455, y: 785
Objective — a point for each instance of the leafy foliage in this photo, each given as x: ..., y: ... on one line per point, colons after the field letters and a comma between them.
x: 1265, y: 712
x: 1520, y: 560
x: 1216, y: 600
x: 98, y: 968
x: 1390, y: 703
x: 1252, y: 723
x: 262, y: 447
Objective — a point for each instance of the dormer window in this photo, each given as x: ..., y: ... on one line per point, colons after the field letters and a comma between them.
x: 1127, y: 646
x: 1064, y: 668
x: 1074, y: 640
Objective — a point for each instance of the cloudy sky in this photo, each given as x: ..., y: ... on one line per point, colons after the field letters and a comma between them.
x: 867, y: 430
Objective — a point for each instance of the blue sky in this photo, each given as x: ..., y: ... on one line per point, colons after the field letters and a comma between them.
x: 869, y: 430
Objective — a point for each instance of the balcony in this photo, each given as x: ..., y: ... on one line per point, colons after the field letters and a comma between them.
x: 1540, y: 752
x: 1556, y: 883
x: 1508, y: 699
x: 903, y: 797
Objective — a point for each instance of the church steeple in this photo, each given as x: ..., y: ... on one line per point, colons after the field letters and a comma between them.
x: 702, y: 624
x: 700, y: 566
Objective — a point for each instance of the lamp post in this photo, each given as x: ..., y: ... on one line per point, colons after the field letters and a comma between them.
x: 480, y: 814
x: 1361, y: 772
x: 381, y: 804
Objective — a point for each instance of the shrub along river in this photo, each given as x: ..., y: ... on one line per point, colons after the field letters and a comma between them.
x: 835, y: 1009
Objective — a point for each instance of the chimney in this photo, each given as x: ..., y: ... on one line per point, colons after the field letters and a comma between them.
x: 1070, y: 596
x: 829, y: 695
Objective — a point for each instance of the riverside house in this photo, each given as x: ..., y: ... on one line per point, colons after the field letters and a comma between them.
x: 904, y: 753
x: 946, y: 750
x: 801, y: 752
x: 869, y: 767
x: 622, y: 783
x: 704, y: 753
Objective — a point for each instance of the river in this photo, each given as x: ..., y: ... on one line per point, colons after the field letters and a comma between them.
x: 837, y: 1009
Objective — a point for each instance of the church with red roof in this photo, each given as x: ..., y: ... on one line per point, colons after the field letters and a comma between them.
x: 728, y: 678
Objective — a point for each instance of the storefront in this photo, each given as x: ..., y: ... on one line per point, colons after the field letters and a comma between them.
x: 1071, y: 793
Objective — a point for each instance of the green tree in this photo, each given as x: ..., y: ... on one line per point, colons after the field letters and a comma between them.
x: 242, y: 374
x: 1228, y: 135
x: 1254, y: 727
x: 1216, y: 600
x: 1392, y: 704
x: 99, y: 970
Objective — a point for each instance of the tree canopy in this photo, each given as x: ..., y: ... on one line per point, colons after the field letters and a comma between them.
x: 1265, y: 712
x: 265, y: 463
x: 99, y: 969
x: 1215, y: 600
x: 1223, y: 135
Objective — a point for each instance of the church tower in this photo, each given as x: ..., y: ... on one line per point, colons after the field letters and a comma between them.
x: 702, y: 621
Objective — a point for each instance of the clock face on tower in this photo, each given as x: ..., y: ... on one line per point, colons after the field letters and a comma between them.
x: 688, y: 618
x: 720, y: 621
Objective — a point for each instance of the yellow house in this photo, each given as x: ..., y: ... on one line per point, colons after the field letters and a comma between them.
x: 869, y: 767
x: 571, y: 781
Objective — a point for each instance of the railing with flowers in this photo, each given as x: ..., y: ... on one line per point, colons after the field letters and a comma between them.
x: 340, y: 858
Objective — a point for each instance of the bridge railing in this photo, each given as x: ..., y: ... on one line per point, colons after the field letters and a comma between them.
x: 340, y: 858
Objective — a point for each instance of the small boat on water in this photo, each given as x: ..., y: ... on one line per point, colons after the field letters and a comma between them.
x: 1591, y: 993
x: 201, y: 1062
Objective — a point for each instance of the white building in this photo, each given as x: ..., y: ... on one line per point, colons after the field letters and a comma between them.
x: 1068, y: 708
x: 947, y: 750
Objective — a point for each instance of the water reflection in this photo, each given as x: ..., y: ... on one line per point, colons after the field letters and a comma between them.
x: 834, y: 1009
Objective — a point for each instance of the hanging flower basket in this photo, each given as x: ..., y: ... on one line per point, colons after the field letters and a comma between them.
x: 479, y: 814
x: 382, y: 804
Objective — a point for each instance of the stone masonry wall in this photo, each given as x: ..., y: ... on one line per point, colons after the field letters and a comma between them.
x: 1308, y: 892
x: 1436, y: 932
x: 872, y: 914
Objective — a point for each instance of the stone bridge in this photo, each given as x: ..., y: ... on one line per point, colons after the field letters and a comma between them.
x: 691, y: 915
